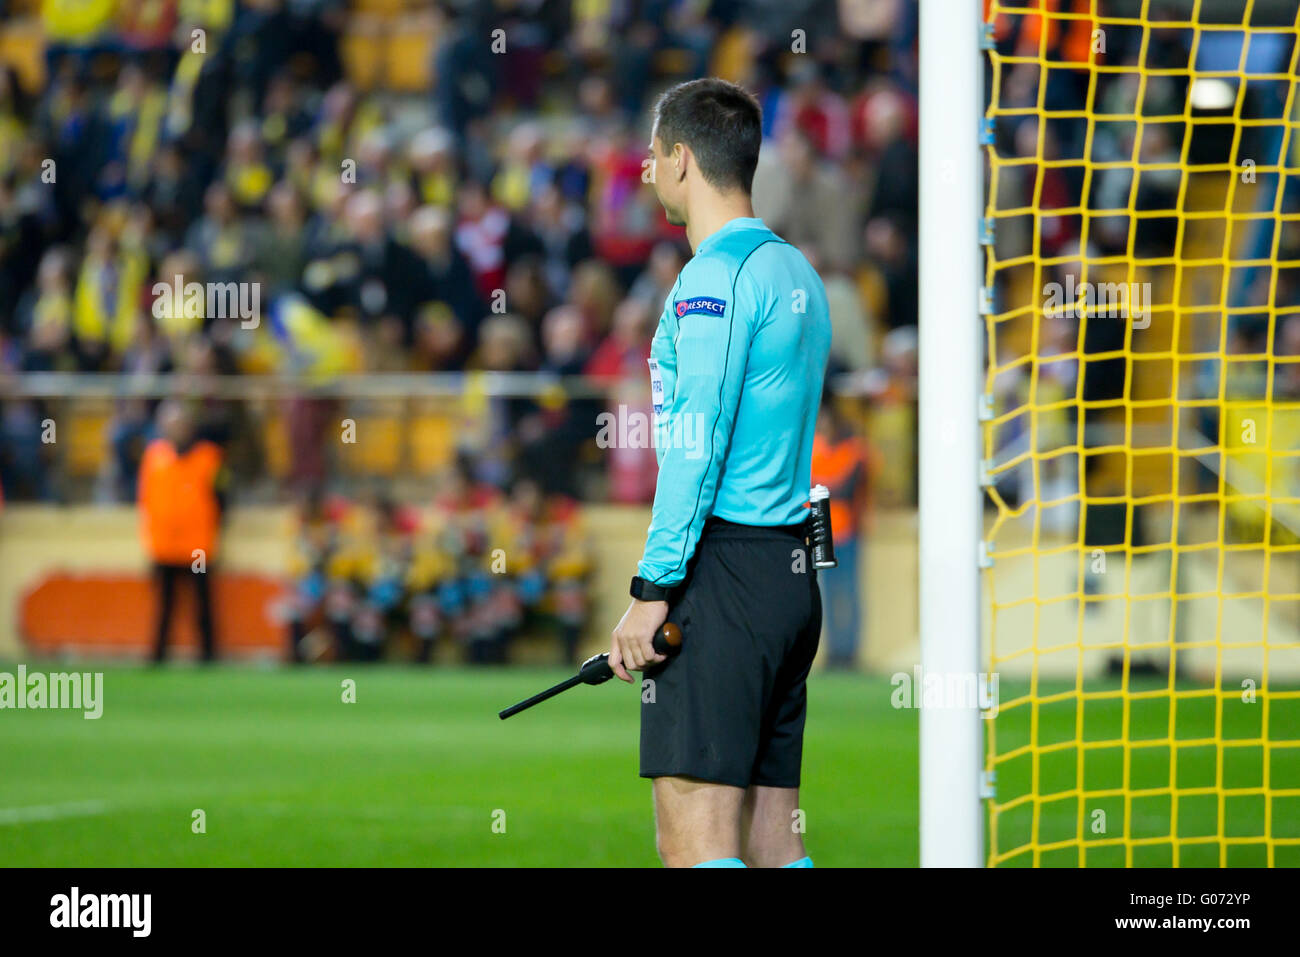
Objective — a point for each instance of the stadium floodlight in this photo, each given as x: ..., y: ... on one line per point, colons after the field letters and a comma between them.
x: 949, y: 369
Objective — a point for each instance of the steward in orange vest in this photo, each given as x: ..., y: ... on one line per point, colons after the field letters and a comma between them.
x: 842, y: 462
x: 180, y: 511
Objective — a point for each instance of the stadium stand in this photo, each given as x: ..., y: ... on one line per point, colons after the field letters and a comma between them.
x: 406, y: 202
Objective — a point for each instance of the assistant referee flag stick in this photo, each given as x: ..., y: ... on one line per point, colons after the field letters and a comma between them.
x: 596, y: 670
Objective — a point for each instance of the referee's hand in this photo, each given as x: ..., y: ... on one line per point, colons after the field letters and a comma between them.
x: 632, y: 647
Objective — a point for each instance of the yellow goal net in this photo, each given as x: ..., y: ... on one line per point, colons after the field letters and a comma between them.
x: 1141, y: 432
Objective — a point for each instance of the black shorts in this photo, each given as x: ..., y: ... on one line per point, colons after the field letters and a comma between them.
x: 730, y: 706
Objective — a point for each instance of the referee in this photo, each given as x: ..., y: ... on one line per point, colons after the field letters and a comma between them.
x: 736, y: 373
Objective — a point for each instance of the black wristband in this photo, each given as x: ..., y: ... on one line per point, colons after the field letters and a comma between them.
x: 643, y: 590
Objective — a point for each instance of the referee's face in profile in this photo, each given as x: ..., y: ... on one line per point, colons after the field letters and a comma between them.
x: 666, y: 178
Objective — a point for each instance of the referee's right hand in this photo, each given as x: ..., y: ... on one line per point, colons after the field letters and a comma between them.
x: 632, y: 647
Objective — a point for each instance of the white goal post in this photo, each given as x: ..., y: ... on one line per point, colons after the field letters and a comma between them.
x: 950, y: 367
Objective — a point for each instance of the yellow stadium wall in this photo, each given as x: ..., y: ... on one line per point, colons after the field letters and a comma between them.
x: 37, y: 541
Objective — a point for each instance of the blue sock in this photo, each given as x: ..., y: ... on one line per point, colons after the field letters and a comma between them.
x: 802, y: 862
x: 724, y: 862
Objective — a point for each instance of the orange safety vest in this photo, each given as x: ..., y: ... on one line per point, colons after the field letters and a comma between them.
x: 178, y: 501
x: 1077, y: 45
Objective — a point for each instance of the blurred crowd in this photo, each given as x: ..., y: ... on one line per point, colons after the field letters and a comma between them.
x: 1115, y: 151
x: 374, y: 579
x: 498, y: 222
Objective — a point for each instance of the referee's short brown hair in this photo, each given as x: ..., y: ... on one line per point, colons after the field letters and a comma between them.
x: 721, y: 122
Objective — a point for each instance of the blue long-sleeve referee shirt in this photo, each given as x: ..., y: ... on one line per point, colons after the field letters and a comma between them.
x: 736, y: 372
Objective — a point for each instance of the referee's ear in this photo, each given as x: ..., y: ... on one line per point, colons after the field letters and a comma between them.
x: 682, y: 157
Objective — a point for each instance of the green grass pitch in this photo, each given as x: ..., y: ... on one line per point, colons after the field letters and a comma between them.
x: 421, y: 772
x: 1175, y: 782
x: 410, y: 775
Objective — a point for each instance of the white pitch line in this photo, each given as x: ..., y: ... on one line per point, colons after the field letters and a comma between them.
x: 51, y: 812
